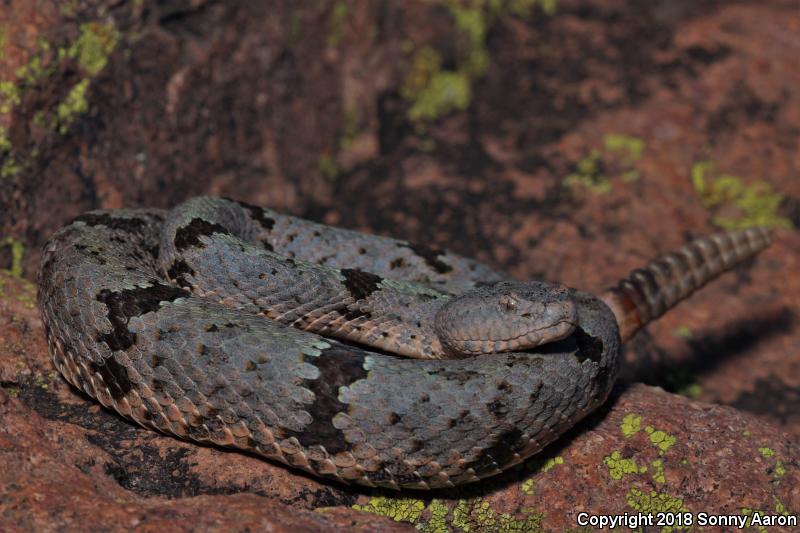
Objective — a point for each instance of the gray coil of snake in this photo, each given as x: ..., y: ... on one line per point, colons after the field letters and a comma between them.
x: 191, y: 322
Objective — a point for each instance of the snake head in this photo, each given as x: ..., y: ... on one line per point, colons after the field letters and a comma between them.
x: 506, y: 316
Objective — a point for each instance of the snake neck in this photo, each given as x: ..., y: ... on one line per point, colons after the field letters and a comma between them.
x: 649, y: 292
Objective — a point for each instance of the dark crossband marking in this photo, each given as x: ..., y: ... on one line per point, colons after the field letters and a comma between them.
x: 190, y: 234
x: 430, y: 255
x: 129, y: 225
x: 124, y: 304
x: 360, y: 284
x: 338, y: 367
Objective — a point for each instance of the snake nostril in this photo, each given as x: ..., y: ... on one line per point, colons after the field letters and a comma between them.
x: 526, y: 315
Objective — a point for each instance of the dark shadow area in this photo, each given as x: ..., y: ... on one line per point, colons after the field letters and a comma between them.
x: 709, y: 349
x: 773, y: 399
x: 140, y: 465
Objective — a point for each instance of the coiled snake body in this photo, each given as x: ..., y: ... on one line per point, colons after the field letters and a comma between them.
x: 187, y: 322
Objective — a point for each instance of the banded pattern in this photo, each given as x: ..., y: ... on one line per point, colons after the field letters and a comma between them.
x: 648, y: 292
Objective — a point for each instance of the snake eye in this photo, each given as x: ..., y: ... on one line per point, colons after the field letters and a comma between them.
x: 508, y: 302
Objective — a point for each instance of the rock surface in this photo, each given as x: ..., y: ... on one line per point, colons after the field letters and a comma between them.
x: 570, y: 145
x: 68, y: 462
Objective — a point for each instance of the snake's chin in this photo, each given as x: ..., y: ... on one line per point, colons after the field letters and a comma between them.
x: 567, y: 342
x: 558, y: 331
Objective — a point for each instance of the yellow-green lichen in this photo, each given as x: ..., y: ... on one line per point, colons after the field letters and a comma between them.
x: 41, y: 382
x: 778, y: 472
x: 779, y: 469
x: 619, y: 467
x: 588, y: 174
x: 17, y: 252
x: 327, y: 166
x: 658, y: 471
x: 766, y: 452
x: 691, y: 390
x: 74, y: 105
x: 89, y: 52
x: 527, y: 486
x: 551, y: 462
x: 9, y: 96
x: 683, y: 332
x: 631, y: 425
x: 683, y: 381
x: 471, y: 23
x: 471, y: 514
x: 746, y: 511
x: 757, y: 204
x: 338, y: 16
x: 33, y: 71
x: 618, y: 156
x: 432, y: 91
x: 400, y: 509
x: 437, y: 521
x: 544, y: 464
x: 10, y: 167
x: 5, y: 142
x: 447, y: 91
x: 476, y: 515
x: 660, y: 439
x: 631, y: 147
x: 655, y: 502
x: 93, y: 47
x: 780, y: 508
x: 426, y: 62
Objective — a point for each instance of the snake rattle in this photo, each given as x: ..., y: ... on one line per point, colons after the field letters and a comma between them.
x: 225, y: 323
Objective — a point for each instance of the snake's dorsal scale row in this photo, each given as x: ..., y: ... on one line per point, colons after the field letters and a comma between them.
x: 346, y: 249
x: 286, y: 286
x: 395, y: 315
x: 196, y: 369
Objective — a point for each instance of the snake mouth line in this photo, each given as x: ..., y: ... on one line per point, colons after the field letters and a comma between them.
x: 522, y: 335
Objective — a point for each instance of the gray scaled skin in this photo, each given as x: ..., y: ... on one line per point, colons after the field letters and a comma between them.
x: 191, y: 367
x: 225, y: 251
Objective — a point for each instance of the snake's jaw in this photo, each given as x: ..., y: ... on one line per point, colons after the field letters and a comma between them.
x: 556, y: 322
x: 559, y: 330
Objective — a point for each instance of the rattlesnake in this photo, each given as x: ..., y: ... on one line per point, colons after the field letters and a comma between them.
x: 187, y: 321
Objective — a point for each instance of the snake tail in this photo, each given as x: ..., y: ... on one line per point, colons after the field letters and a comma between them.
x: 649, y: 292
